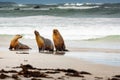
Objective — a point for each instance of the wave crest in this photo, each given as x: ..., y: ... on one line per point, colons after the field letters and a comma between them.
x: 113, y: 38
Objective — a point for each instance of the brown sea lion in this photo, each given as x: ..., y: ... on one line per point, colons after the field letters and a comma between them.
x: 58, y: 41
x: 43, y: 43
x: 16, y: 45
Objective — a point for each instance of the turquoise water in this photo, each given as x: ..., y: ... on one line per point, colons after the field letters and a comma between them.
x: 111, y: 10
x: 106, y: 52
x: 97, y: 57
x: 82, y: 21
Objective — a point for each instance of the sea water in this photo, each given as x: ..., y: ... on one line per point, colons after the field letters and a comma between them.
x: 112, y: 59
x: 81, y: 21
x: 74, y: 21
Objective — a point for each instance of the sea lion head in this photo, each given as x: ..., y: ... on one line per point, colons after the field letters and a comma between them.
x: 55, y: 31
x: 36, y: 32
x: 18, y: 36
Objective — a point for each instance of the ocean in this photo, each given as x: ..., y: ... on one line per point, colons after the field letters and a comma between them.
x: 81, y: 21
x: 75, y: 21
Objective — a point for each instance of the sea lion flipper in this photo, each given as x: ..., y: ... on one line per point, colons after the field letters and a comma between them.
x: 10, y: 48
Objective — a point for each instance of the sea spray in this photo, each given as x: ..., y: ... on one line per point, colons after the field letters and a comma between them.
x: 70, y: 28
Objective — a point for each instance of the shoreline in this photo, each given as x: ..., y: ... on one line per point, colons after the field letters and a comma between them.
x: 96, y: 50
x: 10, y: 59
x: 72, y: 45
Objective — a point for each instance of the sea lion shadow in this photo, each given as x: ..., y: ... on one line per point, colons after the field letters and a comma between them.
x: 46, y: 52
x: 22, y: 51
x: 53, y: 52
x: 59, y: 53
x: 1, y: 58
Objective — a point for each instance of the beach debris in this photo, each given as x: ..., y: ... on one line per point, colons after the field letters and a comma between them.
x: 25, y: 60
x: 4, y: 71
x: 60, y: 77
x: 15, y: 76
x: 73, y: 73
x: 27, y: 66
x: 33, y: 73
x: 117, y: 76
x: 30, y: 73
x: 108, y: 79
x: 52, y: 72
x: 35, y: 79
x: 63, y: 78
x: 3, y: 76
x: 27, y: 73
x: 84, y: 72
x: 98, y: 77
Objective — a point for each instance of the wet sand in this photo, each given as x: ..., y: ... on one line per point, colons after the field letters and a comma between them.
x: 71, y: 67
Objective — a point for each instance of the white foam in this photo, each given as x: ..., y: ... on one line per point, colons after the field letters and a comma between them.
x: 77, y: 7
x: 21, y: 5
x: 78, y: 28
x: 73, y: 4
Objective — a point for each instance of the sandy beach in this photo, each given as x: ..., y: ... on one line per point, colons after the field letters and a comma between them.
x: 10, y: 59
x: 90, y: 30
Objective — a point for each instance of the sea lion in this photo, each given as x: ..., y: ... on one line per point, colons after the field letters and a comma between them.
x: 58, y: 41
x: 43, y: 43
x: 16, y: 45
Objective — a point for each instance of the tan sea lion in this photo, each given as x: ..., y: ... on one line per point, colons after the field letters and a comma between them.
x: 58, y: 41
x: 16, y: 45
x: 43, y: 43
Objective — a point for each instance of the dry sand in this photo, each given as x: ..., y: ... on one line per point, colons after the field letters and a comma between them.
x: 10, y: 59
